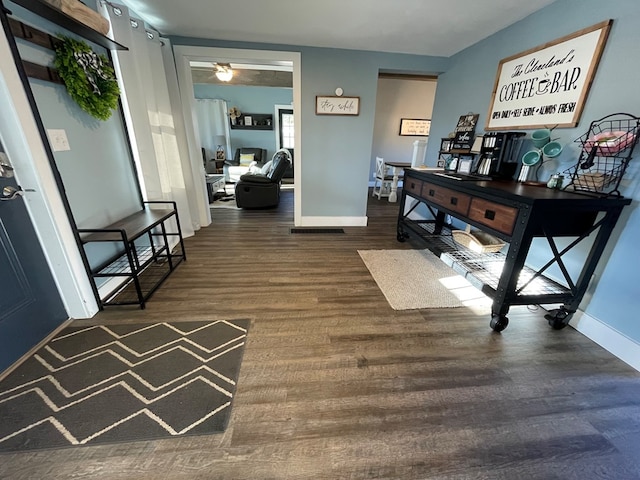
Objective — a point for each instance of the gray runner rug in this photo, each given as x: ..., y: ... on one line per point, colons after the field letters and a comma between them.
x: 106, y: 384
x: 413, y: 279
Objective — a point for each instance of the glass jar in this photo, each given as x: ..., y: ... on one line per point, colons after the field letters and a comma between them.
x: 555, y: 181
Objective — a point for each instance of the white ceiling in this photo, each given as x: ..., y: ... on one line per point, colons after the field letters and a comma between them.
x: 424, y: 27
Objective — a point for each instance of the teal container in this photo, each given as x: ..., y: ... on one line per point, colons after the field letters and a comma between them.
x: 541, y: 137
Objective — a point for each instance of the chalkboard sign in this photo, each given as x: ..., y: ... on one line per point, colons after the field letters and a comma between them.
x: 464, y: 131
x: 416, y: 127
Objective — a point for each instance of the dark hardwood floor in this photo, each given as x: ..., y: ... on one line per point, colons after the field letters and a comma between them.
x: 337, y: 385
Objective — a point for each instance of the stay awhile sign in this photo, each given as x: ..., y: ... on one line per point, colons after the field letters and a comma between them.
x: 547, y: 85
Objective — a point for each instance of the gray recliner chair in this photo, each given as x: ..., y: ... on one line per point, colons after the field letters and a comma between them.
x: 257, y: 190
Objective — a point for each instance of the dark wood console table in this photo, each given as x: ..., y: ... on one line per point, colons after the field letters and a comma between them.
x: 515, y: 213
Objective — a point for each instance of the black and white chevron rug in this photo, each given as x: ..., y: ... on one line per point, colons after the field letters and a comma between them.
x: 105, y: 384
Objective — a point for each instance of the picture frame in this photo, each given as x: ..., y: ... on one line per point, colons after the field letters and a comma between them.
x: 248, y: 121
x: 464, y: 165
x: 334, y: 105
x: 445, y: 144
x: 463, y: 140
x: 415, y: 127
x: 547, y: 86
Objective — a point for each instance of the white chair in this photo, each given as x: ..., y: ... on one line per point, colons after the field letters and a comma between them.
x: 383, y: 180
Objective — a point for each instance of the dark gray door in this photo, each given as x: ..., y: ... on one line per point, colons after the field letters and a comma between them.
x: 30, y: 305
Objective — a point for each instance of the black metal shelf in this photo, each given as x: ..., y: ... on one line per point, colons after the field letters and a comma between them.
x: 139, y: 269
x: 60, y: 18
x: 483, y: 270
x: 149, y: 279
x: 121, y: 267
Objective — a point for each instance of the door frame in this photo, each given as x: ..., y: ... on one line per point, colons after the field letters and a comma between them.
x: 186, y: 53
x: 24, y: 144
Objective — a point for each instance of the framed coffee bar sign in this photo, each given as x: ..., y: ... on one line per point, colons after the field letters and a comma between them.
x: 546, y: 86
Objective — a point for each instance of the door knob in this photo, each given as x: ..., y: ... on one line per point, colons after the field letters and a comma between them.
x: 11, y: 193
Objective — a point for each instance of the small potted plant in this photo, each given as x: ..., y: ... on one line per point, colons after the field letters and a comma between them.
x: 234, y: 114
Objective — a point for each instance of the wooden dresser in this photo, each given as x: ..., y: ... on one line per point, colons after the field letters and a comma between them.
x: 517, y: 214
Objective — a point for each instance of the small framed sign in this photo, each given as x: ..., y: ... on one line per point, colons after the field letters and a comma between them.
x: 333, y: 105
x: 415, y: 127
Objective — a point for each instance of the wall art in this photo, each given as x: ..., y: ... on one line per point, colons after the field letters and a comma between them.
x: 415, y: 127
x: 333, y: 105
x: 547, y: 86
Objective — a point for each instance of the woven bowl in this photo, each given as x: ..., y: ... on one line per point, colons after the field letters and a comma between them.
x: 478, y: 241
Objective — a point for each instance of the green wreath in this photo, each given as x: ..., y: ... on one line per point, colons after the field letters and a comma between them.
x: 89, y: 79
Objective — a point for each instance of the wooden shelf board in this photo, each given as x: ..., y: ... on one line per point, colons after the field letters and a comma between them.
x: 60, y: 18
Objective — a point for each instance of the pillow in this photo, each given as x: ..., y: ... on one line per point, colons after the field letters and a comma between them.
x: 255, y: 169
x: 246, y: 159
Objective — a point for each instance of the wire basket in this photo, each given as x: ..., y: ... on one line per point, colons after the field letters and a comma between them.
x: 606, y: 150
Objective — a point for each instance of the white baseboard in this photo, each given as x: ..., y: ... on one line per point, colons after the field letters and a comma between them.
x: 608, y: 338
x: 334, y: 221
x: 372, y: 183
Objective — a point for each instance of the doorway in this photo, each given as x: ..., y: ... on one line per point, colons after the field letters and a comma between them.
x: 399, y: 96
x: 184, y: 55
x: 285, y: 133
x: 22, y: 135
x: 30, y: 304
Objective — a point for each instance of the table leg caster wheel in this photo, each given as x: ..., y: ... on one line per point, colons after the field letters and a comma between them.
x: 558, y: 318
x: 402, y: 236
x: 499, y: 322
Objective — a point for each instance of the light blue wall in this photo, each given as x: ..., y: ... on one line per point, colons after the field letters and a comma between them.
x: 249, y: 100
x: 614, y: 298
x: 336, y: 151
x: 97, y: 173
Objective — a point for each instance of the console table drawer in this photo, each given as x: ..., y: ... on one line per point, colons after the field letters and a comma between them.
x: 455, y: 201
x: 411, y: 185
x: 494, y: 215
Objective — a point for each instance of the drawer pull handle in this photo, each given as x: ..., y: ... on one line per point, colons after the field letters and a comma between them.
x: 454, y: 201
x: 489, y: 214
x: 413, y: 186
x: 432, y: 192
